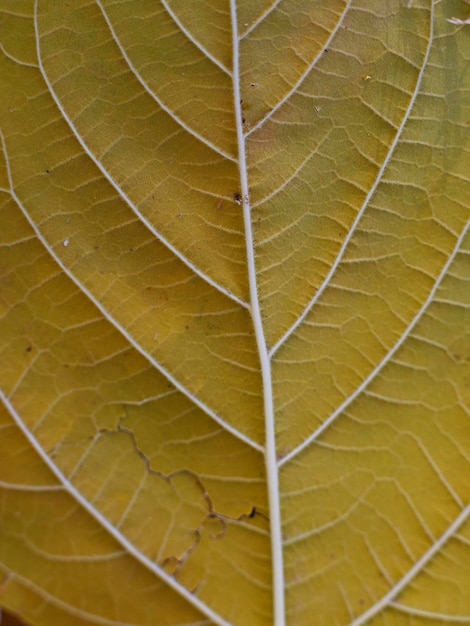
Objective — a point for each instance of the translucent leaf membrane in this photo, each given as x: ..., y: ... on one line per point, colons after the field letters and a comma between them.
x: 234, y: 257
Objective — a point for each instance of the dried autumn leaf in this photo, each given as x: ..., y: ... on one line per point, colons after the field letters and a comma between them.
x: 235, y: 312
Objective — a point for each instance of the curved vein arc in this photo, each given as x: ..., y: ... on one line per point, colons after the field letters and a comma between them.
x: 260, y: 19
x: 286, y: 182
x: 367, y: 199
x: 104, y: 522
x: 153, y: 95
x: 64, y: 606
x: 272, y: 475
x: 120, y: 192
x: 301, y: 79
x: 327, y: 423
x: 3, y: 50
x: 174, y: 381
x: 415, y: 570
x: 192, y: 39
x: 29, y: 488
x: 430, y: 615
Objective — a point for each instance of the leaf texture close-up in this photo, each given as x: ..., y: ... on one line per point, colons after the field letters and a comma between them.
x: 235, y: 312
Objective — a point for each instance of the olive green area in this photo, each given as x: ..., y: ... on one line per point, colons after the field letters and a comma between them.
x: 167, y: 169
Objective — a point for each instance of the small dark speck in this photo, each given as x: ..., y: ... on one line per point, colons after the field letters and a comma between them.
x: 237, y: 197
x: 29, y: 348
x: 325, y: 50
x: 47, y: 172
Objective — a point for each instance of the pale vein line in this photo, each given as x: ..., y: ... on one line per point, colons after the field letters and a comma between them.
x: 346, y: 601
x: 80, y: 462
x: 334, y: 522
x: 461, y: 305
x: 261, y: 18
x: 414, y: 571
x: 70, y: 558
x: 303, y: 76
x: 367, y: 199
x: 64, y: 606
x: 35, y: 488
x: 286, y: 181
x: 385, y: 360
x: 431, y: 615
x: 192, y: 39
x: 29, y: 366
x: 72, y: 610
x: 440, y: 475
x: 154, y: 96
x: 118, y: 326
x: 106, y: 524
x: 137, y: 492
x: 120, y: 191
x: 272, y: 476
x: 15, y: 60
x: 377, y: 560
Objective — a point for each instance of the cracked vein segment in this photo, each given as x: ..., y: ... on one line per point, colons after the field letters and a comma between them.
x: 100, y: 371
x: 106, y: 314
x: 425, y: 354
x: 105, y: 523
x: 168, y: 517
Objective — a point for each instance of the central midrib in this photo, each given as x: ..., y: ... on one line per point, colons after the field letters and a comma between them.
x: 272, y: 475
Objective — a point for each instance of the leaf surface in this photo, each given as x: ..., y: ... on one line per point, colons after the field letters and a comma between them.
x: 235, y: 312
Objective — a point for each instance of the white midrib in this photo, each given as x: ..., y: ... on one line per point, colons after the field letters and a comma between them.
x: 272, y: 475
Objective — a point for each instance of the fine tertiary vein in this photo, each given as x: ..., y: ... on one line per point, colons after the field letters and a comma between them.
x: 259, y: 19
x: 46, y: 597
x: 153, y: 95
x: 105, y: 523
x: 192, y: 39
x: 415, y: 570
x: 387, y: 358
x: 114, y: 322
x: 117, y: 187
x: 272, y: 475
x: 367, y: 199
x: 302, y: 77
